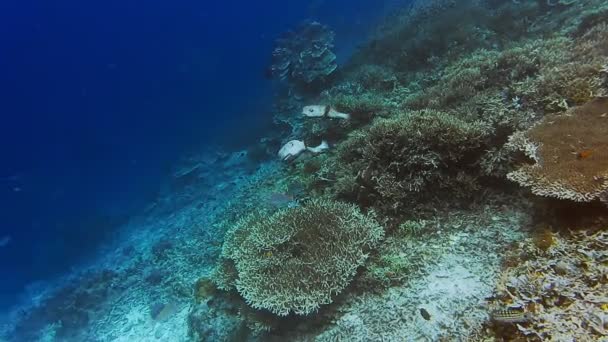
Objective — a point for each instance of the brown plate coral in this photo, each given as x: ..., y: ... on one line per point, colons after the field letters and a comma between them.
x: 571, y: 154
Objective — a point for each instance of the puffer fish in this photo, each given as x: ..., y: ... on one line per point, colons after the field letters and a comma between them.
x: 511, y: 316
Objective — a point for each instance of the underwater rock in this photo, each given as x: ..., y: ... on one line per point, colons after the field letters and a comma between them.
x: 204, y: 289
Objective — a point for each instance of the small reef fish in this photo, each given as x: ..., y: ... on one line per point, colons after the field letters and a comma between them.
x: 511, y: 316
x: 425, y: 314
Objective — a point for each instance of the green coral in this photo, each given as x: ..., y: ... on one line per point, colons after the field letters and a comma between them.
x: 296, y: 259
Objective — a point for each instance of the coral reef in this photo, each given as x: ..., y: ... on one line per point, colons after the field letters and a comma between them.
x: 407, y: 157
x: 447, y: 267
x: 442, y: 100
x: 484, y: 92
x: 573, y: 166
x: 304, y: 56
x: 296, y: 259
x: 64, y: 313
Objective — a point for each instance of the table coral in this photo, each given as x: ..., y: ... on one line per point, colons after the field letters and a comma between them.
x: 570, y: 154
x: 297, y: 259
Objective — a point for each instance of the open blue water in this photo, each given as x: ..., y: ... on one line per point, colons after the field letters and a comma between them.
x: 99, y: 98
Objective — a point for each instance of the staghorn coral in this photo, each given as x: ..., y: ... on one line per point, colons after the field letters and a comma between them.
x: 563, y: 287
x: 408, y: 157
x: 296, y: 259
x: 570, y: 154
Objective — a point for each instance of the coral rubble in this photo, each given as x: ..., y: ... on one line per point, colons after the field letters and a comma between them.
x: 564, y: 288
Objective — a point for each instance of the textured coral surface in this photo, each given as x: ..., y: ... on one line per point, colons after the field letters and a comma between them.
x: 571, y: 151
x: 299, y: 258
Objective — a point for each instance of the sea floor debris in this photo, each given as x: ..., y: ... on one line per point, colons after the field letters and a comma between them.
x: 564, y: 287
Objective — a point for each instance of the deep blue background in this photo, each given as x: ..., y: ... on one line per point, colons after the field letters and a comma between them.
x: 97, y: 98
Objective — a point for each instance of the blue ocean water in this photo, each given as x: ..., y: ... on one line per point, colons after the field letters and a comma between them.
x: 98, y: 99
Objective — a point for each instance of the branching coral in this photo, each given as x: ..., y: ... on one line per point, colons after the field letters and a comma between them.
x: 409, y: 156
x: 521, y: 70
x: 296, y: 259
x: 571, y: 154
